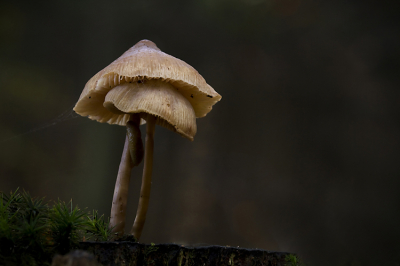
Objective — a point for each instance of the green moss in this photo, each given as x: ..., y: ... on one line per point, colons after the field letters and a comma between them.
x: 293, y: 260
x: 32, y: 231
x: 180, y: 257
x: 150, y: 249
x: 190, y: 257
x: 186, y: 257
x: 231, y: 259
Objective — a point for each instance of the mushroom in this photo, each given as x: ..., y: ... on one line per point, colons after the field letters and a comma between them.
x: 144, y: 85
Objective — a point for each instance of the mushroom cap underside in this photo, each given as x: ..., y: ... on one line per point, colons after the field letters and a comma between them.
x: 145, y: 61
x: 153, y: 97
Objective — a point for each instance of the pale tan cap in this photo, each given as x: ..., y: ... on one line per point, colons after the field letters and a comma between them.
x: 144, y: 61
x: 154, y: 97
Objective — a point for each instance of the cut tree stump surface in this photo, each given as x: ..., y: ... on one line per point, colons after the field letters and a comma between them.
x: 137, y: 254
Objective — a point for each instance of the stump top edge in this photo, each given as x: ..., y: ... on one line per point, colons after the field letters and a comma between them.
x: 186, y: 247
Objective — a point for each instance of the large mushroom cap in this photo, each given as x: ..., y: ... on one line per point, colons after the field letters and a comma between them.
x: 144, y: 61
x: 154, y: 97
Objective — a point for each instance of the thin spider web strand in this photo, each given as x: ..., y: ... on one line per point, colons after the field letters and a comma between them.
x: 64, y: 116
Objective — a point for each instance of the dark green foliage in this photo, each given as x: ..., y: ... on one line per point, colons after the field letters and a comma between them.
x: 23, y: 229
x: 31, y: 231
x: 293, y: 260
x: 97, y: 228
x: 67, y: 226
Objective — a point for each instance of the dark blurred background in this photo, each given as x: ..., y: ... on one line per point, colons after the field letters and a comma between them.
x: 300, y: 155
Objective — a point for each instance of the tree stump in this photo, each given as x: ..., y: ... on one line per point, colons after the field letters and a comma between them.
x: 137, y: 254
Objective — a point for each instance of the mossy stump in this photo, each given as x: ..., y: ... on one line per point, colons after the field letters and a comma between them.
x: 137, y: 254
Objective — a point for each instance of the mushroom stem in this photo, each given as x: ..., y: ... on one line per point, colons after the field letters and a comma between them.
x: 146, y: 179
x: 118, y: 208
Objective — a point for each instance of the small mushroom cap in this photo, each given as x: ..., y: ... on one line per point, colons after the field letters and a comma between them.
x: 144, y: 61
x: 154, y: 97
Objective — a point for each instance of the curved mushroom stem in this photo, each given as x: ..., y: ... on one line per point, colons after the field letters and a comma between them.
x: 118, y: 208
x: 146, y: 179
